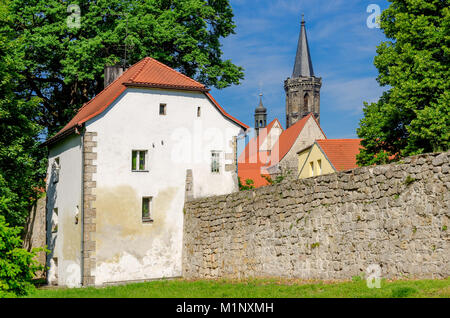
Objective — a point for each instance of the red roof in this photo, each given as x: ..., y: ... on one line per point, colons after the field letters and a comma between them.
x: 251, y: 162
x: 146, y: 73
x: 341, y: 152
x: 289, y: 136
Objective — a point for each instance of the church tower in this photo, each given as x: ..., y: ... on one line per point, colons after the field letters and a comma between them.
x: 260, y: 116
x: 303, y: 88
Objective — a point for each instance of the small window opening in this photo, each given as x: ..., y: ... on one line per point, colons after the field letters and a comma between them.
x: 198, y: 111
x: 319, y: 167
x: 311, y: 168
x: 146, y: 209
x: 162, y: 109
x: 215, y: 161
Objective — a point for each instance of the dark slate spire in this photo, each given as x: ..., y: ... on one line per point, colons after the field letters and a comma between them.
x: 303, y: 65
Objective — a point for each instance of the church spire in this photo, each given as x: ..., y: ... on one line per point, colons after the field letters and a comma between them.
x: 260, y: 115
x: 303, y: 65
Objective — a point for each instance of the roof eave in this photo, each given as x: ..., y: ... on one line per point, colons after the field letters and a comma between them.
x: 60, y: 136
x: 163, y: 86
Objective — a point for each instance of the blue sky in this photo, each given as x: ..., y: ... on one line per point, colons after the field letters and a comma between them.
x: 342, y: 49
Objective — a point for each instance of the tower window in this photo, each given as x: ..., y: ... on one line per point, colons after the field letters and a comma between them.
x: 198, y: 111
x: 305, y: 102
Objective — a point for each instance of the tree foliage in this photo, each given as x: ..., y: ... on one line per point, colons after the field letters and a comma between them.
x: 64, y: 64
x: 20, y: 174
x: 412, y: 116
x: 17, y: 265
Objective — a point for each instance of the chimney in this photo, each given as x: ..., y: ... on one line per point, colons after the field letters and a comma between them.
x: 112, y: 73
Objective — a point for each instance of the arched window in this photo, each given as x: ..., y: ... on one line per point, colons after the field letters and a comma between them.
x: 305, y: 103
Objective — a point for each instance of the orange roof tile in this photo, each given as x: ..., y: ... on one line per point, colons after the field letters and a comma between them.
x: 251, y: 162
x: 148, y: 72
x: 341, y: 152
x: 288, y: 138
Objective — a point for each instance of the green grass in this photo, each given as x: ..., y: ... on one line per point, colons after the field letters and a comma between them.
x: 257, y: 288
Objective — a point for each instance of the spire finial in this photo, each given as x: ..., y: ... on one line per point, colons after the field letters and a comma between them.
x: 260, y: 100
x: 303, y: 18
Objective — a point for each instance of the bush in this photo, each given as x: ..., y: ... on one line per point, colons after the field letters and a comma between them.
x: 17, y: 265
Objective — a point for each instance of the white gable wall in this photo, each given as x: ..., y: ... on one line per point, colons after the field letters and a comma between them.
x: 127, y: 248
x: 64, y: 195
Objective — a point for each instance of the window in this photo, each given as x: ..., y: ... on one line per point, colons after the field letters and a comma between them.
x: 305, y: 102
x: 311, y: 168
x: 215, y: 161
x: 162, y: 109
x: 146, y: 209
x: 139, y: 160
x: 319, y: 167
x: 198, y: 111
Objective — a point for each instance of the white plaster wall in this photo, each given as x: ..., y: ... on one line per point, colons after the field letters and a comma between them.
x: 65, y: 195
x: 126, y: 248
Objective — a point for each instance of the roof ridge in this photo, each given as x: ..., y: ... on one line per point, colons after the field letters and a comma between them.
x: 174, y: 70
x: 144, y: 62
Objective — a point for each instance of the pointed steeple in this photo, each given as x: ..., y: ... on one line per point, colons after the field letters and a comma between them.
x: 303, y: 65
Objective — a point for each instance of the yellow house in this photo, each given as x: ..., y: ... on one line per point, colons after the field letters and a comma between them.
x: 328, y: 156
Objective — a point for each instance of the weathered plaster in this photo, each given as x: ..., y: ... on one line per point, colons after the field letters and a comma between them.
x: 65, y: 195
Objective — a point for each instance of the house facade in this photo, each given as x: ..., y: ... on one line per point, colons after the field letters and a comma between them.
x: 328, y: 156
x: 120, y: 172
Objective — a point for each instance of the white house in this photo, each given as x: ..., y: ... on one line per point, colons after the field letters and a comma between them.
x: 120, y: 170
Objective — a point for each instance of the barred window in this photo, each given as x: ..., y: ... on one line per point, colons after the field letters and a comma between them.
x: 215, y: 161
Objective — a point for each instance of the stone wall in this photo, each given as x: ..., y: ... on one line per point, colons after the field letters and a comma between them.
x: 90, y: 212
x: 35, y: 232
x: 327, y: 227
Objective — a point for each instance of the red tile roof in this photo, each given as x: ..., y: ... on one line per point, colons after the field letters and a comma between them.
x: 288, y: 138
x: 146, y: 73
x: 251, y: 162
x: 341, y: 152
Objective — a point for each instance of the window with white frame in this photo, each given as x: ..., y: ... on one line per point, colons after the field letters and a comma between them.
x: 215, y: 161
x: 139, y: 159
x: 147, y: 209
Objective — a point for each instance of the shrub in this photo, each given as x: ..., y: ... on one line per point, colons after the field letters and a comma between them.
x: 17, y: 265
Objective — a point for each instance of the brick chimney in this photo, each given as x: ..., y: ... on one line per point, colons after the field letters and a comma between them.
x: 112, y: 73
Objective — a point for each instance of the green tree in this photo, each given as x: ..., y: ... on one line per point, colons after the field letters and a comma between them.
x: 412, y: 116
x: 17, y: 266
x: 20, y: 174
x: 64, y: 64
